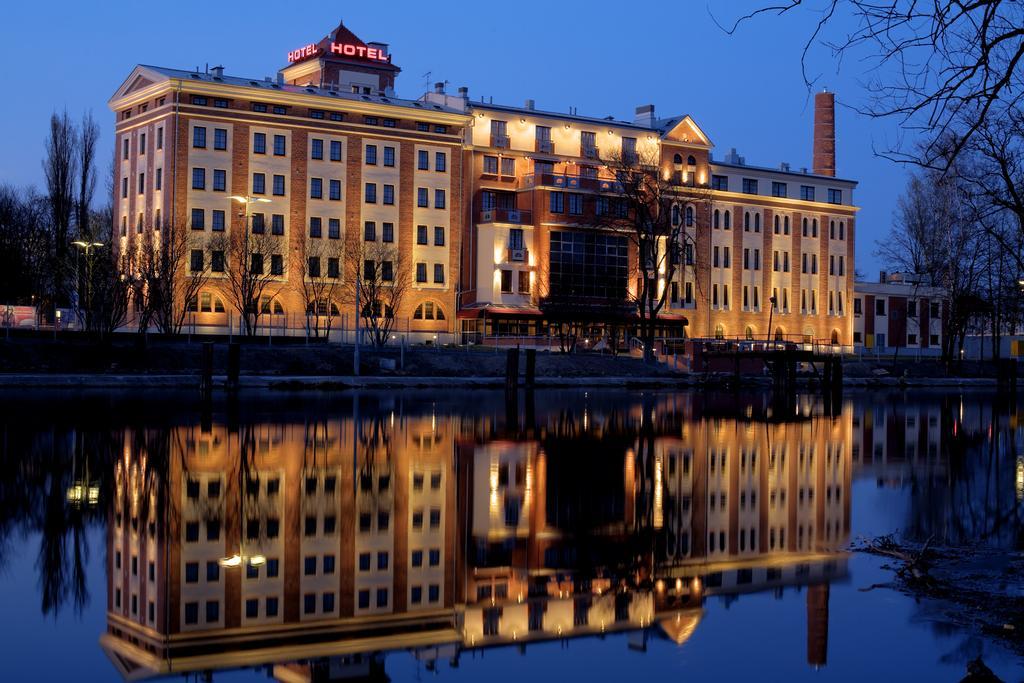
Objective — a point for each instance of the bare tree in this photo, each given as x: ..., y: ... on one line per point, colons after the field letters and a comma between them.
x: 249, y: 273
x: 167, y: 271
x: 25, y: 242
x: 660, y: 216
x: 379, y: 277
x: 88, y: 137
x: 320, y: 283
x: 937, y: 236
x: 927, y: 64
x: 59, y: 168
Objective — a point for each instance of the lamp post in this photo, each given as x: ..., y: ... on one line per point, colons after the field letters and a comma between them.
x: 88, y: 248
x: 248, y: 202
x: 771, y: 312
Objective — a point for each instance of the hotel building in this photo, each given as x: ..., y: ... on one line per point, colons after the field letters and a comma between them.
x: 498, y: 212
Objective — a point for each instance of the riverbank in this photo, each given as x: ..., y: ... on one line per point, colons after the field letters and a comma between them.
x: 292, y: 364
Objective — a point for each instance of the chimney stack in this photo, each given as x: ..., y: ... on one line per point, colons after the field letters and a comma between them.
x: 824, y: 158
x: 644, y: 116
x: 439, y: 87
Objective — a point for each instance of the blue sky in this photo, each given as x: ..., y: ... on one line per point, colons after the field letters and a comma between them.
x: 745, y: 90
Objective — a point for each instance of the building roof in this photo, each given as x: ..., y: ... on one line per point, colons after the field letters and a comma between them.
x: 271, y: 85
x: 607, y: 121
x: 768, y: 169
x: 342, y: 34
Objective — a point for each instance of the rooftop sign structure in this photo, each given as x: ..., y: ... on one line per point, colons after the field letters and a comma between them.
x: 372, y: 54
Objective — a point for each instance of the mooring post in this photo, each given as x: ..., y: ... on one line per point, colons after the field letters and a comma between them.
x: 512, y: 370
x: 531, y: 367
x: 234, y: 364
x: 206, y: 368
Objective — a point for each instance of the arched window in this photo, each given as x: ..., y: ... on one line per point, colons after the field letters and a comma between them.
x: 675, y: 214
x: 715, y: 219
x: 691, y: 160
x: 814, y: 228
x: 727, y: 219
x: 719, y: 331
x: 677, y: 159
x: 805, y: 227
x: 267, y: 305
x: 778, y: 225
x: 757, y: 221
x: 746, y: 221
x: 428, y: 310
x: 779, y: 334
x: 835, y: 337
x: 689, y: 216
x: 374, y: 310
x: 831, y: 230
x: 323, y: 307
x: 785, y: 225
x: 842, y: 230
x: 808, y: 335
x: 749, y: 333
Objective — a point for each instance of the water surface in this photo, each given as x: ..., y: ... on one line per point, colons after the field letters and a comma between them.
x: 565, y: 535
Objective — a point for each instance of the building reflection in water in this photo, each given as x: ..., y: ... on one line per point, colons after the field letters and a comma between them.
x: 314, y: 546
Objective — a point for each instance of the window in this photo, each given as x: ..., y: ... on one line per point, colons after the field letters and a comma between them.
x: 313, y: 266
x: 258, y: 223
x: 389, y: 195
x: 279, y: 185
x: 807, y: 193
x: 439, y: 199
x: 440, y: 162
x: 220, y: 103
x: 142, y: 143
x: 779, y: 189
x: 335, y: 191
x: 370, y: 194
x: 371, y: 155
x: 217, y: 266
x: 749, y: 186
x: 277, y: 224
x: 490, y: 165
x: 220, y: 180
x: 159, y: 138
x: 369, y: 231
x: 217, y: 224
x: 259, y: 183
x: 506, y: 282
x: 220, y: 138
x: 279, y: 145
x: 508, y: 166
x: 256, y: 264
x: 335, y: 150
x: 421, y: 197
x: 199, y: 137
x: 556, y: 202
x: 198, y: 219
x: 316, y: 149
x: 334, y: 228
x: 158, y: 181
x: 439, y: 273
x: 259, y: 143
x: 198, y: 178
x: 276, y: 264
x: 316, y: 188
x: 421, y: 234
x: 835, y: 196
x: 879, y: 306
x: 421, y: 272
x: 142, y: 183
x: 720, y: 182
x: 387, y: 232
x: 389, y: 156
x: 438, y: 236
x: 423, y: 160
x: 575, y: 203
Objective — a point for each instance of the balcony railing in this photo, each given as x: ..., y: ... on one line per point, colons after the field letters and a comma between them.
x: 545, y: 146
x: 590, y: 152
x: 518, y: 254
x: 500, y: 141
x: 514, y: 216
x: 570, y: 182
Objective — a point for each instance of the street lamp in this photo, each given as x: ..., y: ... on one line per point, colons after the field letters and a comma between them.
x: 771, y: 311
x: 88, y: 248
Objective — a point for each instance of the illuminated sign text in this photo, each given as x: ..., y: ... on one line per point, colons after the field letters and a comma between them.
x: 344, y: 49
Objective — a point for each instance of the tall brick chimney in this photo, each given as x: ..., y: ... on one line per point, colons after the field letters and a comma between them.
x: 824, y: 160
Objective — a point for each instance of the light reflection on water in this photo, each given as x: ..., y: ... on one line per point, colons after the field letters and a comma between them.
x: 318, y: 537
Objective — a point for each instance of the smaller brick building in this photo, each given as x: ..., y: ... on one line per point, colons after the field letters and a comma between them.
x: 898, y: 312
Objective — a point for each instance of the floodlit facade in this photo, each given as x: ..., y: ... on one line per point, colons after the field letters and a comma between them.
x: 499, y: 212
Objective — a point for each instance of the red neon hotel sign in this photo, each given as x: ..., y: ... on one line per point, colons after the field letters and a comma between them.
x: 344, y: 49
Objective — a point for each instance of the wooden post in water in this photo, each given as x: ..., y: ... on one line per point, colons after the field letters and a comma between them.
x: 234, y: 364
x: 512, y: 370
x: 531, y: 367
x: 206, y: 368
